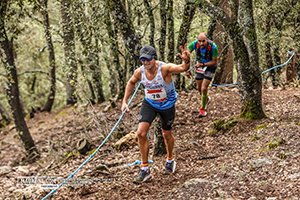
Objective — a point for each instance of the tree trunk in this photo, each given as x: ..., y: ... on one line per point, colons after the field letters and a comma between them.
x: 188, y: 15
x: 159, y: 147
x: 13, y: 89
x: 268, y: 51
x: 130, y: 38
x: 117, y: 70
x: 298, y: 65
x: 86, y: 33
x: 151, y: 21
x: 69, y: 50
x: 277, y: 61
x: 5, y: 118
x: 291, y: 72
x: 170, y: 20
x: 163, y: 29
x: 51, y: 96
x: 279, y: 19
x: 251, y: 97
x: 224, y: 73
x: 211, y: 28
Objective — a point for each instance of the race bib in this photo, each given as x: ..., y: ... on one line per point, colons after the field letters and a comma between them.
x: 201, y: 70
x: 156, y: 94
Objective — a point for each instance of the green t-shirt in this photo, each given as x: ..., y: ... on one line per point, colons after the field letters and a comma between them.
x: 205, y: 54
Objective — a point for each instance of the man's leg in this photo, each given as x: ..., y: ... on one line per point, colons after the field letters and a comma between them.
x: 144, y: 173
x: 143, y: 141
x: 169, y: 142
x: 147, y: 115
x: 199, y: 87
x: 204, y: 91
x: 167, y: 118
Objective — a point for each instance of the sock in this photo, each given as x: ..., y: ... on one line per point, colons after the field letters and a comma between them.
x: 145, y: 166
x: 204, y: 99
x: 169, y: 160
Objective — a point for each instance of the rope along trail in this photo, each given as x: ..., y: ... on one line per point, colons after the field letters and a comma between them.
x: 275, y: 67
x: 94, y: 153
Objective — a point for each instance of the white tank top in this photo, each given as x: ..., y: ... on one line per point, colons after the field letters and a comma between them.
x: 158, y: 93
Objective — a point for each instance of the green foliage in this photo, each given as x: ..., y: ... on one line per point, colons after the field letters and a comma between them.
x: 251, y: 111
x: 260, y: 127
x: 282, y: 155
x: 254, y: 137
x: 275, y: 143
x: 221, y: 126
x: 71, y: 154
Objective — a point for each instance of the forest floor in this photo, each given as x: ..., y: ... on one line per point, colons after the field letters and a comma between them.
x: 251, y: 160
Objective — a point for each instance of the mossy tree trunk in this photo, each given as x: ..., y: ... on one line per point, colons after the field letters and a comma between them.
x: 268, y: 50
x: 13, y: 94
x: 149, y: 8
x: 170, y: 22
x: 115, y: 82
x: 251, y: 97
x: 86, y: 29
x: 159, y: 147
x: 43, y: 4
x: 130, y: 38
x: 69, y: 51
x: 224, y: 73
x: 163, y: 29
x: 185, y: 26
x: 291, y: 72
x: 279, y: 17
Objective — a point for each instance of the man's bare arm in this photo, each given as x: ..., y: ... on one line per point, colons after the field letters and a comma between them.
x: 130, y: 87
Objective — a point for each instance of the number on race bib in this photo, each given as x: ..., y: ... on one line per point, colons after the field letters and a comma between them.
x: 156, y: 94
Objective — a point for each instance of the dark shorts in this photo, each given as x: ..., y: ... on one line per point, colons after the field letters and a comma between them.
x: 148, y: 114
x: 208, y: 74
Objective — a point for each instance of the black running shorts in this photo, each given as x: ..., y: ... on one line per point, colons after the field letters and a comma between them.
x: 208, y: 74
x: 148, y: 114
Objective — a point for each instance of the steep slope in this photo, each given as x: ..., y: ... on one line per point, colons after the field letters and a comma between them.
x: 250, y: 160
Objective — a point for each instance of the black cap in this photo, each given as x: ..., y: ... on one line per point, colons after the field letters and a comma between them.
x: 147, y: 52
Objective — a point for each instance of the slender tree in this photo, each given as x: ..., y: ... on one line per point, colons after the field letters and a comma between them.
x: 170, y: 22
x: 224, y: 73
x: 69, y: 51
x: 8, y: 59
x: 86, y: 29
x: 43, y: 4
x: 163, y: 29
x: 130, y: 38
x: 185, y: 26
x: 149, y: 10
x: 116, y: 71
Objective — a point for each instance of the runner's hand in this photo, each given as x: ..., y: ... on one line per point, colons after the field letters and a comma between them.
x: 124, y: 107
x: 185, y: 54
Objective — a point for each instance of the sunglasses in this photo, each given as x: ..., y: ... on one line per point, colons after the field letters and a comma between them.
x: 202, y: 41
x: 144, y: 59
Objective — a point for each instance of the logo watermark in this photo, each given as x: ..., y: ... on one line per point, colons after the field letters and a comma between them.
x: 52, y: 182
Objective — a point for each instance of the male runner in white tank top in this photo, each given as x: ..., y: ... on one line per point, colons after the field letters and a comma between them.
x: 160, y: 98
